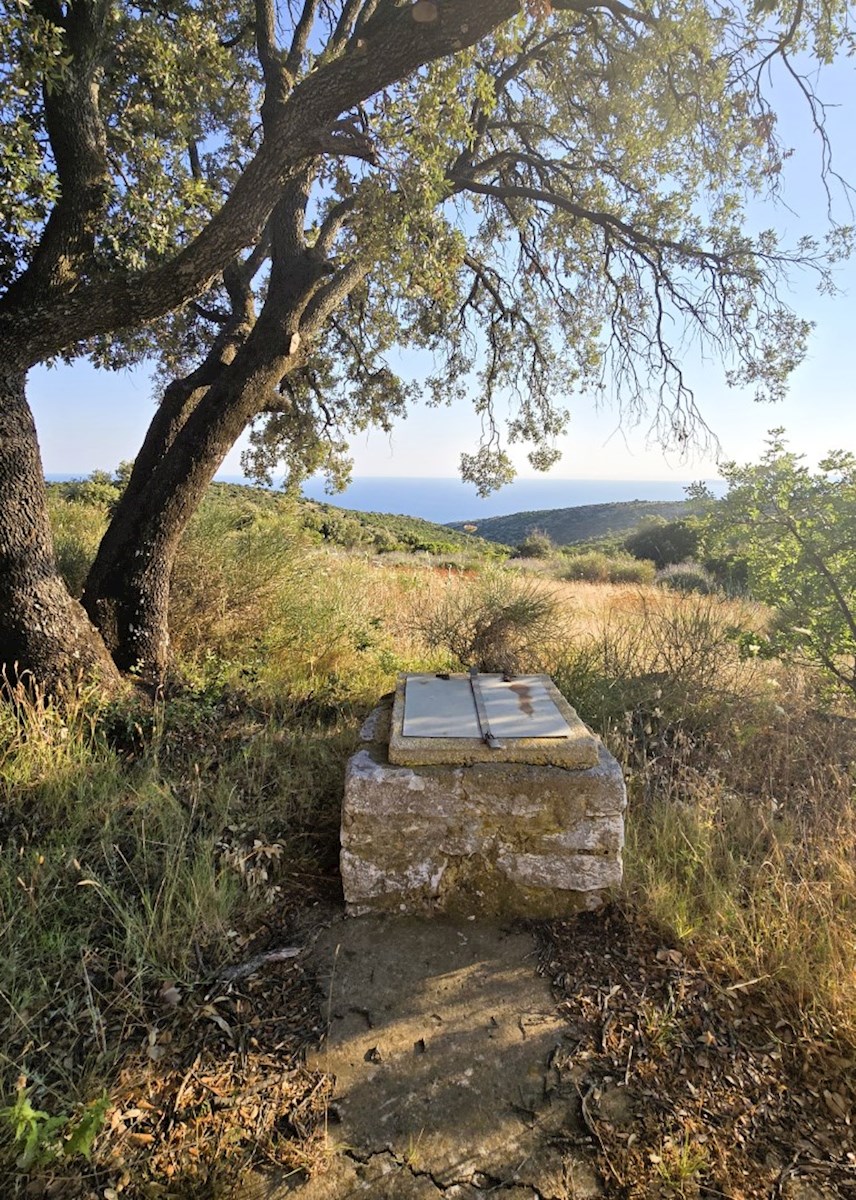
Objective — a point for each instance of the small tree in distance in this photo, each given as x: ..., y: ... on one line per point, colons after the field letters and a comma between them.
x: 664, y: 542
x: 796, y: 530
x: 536, y: 544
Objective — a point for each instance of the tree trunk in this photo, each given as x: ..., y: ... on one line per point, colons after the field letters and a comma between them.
x: 127, y: 591
x: 45, y: 635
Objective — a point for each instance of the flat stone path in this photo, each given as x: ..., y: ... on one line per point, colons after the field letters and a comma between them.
x: 442, y: 1040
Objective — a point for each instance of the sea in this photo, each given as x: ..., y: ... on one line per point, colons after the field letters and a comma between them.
x: 444, y: 500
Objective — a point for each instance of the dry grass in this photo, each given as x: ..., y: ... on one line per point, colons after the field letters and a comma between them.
x: 742, y: 822
x: 150, y: 847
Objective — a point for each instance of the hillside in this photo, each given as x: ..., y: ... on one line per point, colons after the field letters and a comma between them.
x: 579, y: 524
x: 244, y: 505
x: 385, y: 531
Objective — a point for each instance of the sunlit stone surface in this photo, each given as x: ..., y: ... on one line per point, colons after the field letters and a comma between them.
x: 478, y: 839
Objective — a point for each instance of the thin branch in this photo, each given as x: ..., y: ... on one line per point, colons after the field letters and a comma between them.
x: 332, y: 224
x: 331, y: 294
x: 631, y: 236
x: 344, y: 28
x: 300, y: 41
x: 217, y: 316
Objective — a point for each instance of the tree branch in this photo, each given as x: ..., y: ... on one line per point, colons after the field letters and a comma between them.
x: 38, y: 329
x: 299, y: 42
x: 332, y: 224
x: 78, y: 144
x: 608, y: 221
x: 344, y: 27
x: 331, y: 294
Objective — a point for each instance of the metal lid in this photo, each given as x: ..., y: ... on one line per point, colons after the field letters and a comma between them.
x: 486, y: 718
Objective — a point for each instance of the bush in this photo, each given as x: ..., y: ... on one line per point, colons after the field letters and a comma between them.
x: 499, y: 622
x: 592, y: 566
x: 686, y: 577
x: 664, y: 542
x: 595, y: 566
x: 625, y: 569
x: 536, y: 544
x: 794, y: 529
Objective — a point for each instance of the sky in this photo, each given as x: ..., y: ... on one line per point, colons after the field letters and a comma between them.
x: 89, y: 419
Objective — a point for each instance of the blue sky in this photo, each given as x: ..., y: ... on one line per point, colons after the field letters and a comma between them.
x: 91, y: 419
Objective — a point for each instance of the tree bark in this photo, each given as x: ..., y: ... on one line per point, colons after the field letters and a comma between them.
x: 127, y: 590
x: 45, y: 636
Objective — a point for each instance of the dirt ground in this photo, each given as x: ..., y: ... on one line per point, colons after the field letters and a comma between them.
x: 579, y: 1059
x: 405, y: 1060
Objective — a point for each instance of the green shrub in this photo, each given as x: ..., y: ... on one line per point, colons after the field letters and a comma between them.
x: 592, y: 567
x: 731, y: 573
x: 664, y: 542
x: 686, y: 577
x: 625, y: 569
x: 499, y: 622
x: 537, y: 544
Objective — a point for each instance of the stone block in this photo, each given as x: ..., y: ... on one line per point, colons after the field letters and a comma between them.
x: 568, y: 872
x: 492, y: 839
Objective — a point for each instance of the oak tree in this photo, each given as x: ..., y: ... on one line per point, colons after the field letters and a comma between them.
x: 134, y: 172
x: 557, y: 206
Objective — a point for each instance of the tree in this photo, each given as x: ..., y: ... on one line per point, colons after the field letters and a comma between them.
x: 796, y: 530
x: 542, y: 209
x: 487, y: 212
x: 128, y: 130
x: 663, y: 542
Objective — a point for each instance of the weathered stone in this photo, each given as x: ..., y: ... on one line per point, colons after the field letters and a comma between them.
x: 376, y: 726
x: 603, y: 787
x: 603, y: 835
x: 373, y: 786
x: 572, y: 872
x: 491, y: 839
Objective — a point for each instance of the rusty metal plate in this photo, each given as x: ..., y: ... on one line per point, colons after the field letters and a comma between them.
x: 521, y: 708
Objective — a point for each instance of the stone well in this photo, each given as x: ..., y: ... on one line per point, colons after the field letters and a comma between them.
x: 480, y: 834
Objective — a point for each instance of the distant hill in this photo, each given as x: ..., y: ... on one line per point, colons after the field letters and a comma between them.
x: 353, y: 529
x: 579, y: 524
x: 385, y: 532
x: 242, y: 505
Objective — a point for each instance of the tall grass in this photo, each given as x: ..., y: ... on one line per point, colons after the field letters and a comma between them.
x: 741, y: 825
x: 596, y: 566
x: 77, y: 529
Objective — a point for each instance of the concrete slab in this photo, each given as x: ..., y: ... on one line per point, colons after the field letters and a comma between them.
x: 441, y: 1038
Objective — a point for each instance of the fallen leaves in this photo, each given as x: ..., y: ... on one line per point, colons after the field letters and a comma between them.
x: 720, y: 1093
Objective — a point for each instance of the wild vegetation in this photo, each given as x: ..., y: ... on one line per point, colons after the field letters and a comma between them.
x: 546, y: 197
x: 149, y: 851
x: 319, y: 523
